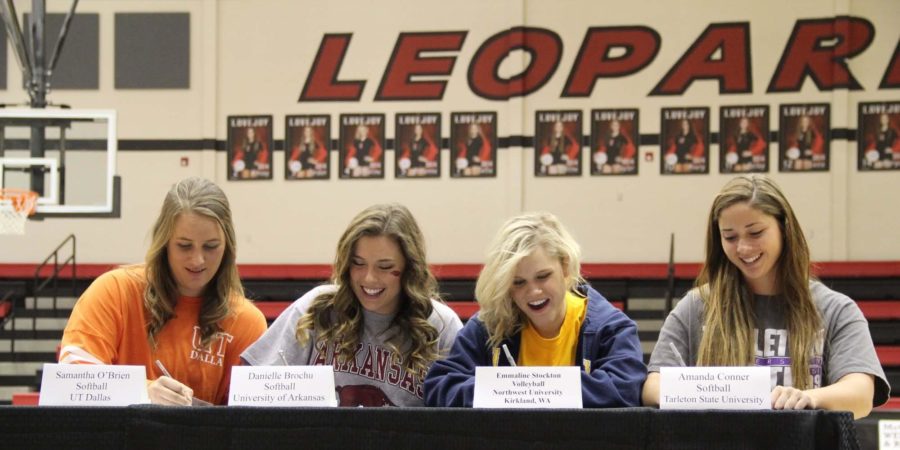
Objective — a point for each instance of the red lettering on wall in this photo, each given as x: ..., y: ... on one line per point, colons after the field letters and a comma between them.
x: 722, y: 52
x: 322, y: 84
x: 892, y: 74
x: 810, y: 53
x: 406, y: 63
x: 545, y: 48
x: 595, y: 60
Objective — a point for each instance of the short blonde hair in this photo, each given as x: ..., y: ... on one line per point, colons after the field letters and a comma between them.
x: 518, y: 238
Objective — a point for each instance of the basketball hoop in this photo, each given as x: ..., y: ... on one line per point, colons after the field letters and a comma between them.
x: 15, y: 207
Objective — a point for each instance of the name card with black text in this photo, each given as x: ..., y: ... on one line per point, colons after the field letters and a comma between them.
x: 282, y: 386
x: 715, y: 388
x: 92, y: 385
x: 527, y: 387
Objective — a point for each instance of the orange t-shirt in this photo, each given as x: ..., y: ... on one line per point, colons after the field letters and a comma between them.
x: 108, y: 326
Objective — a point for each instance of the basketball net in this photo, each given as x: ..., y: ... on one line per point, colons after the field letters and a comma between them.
x: 15, y: 207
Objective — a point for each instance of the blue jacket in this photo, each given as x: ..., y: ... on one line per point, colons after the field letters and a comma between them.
x: 610, y: 352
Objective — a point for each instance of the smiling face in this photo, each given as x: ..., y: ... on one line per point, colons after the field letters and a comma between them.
x: 195, y: 252
x: 752, y: 241
x: 376, y: 268
x: 539, y: 290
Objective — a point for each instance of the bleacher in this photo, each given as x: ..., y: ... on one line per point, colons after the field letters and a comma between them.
x: 34, y: 327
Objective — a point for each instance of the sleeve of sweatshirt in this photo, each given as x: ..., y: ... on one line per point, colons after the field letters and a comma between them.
x: 617, y: 370
x: 451, y: 381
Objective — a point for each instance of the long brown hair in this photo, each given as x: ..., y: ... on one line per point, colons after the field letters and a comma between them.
x: 337, y: 317
x: 202, y: 197
x: 729, y: 318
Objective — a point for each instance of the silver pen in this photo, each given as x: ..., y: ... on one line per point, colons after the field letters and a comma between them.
x: 677, y: 353
x: 509, y: 358
x: 194, y: 400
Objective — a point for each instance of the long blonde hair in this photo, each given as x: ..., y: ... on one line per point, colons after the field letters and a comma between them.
x: 204, y: 198
x: 518, y: 238
x: 729, y: 320
x: 338, y: 318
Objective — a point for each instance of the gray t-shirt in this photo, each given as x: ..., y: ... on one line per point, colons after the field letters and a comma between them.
x: 844, y: 345
x: 374, y: 378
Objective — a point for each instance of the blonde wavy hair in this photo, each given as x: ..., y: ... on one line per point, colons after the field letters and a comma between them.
x: 202, y: 197
x: 518, y: 238
x: 729, y: 318
x: 338, y: 318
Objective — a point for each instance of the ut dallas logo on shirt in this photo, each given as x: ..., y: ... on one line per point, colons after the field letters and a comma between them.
x: 214, y: 353
x: 772, y: 351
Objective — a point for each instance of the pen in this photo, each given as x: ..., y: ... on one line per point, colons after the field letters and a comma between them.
x: 283, y: 359
x: 677, y: 354
x: 194, y: 400
x: 162, y: 369
x: 512, y: 362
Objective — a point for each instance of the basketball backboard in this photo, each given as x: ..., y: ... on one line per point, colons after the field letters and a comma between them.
x: 73, y: 169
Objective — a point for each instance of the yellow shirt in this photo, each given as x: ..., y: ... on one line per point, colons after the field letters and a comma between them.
x: 560, y: 350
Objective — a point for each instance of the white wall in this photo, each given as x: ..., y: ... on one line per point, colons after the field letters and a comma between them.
x: 253, y: 56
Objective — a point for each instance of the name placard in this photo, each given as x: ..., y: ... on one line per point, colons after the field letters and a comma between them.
x: 282, y: 386
x: 715, y: 388
x: 92, y: 385
x: 889, y: 434
x: 527, y: 387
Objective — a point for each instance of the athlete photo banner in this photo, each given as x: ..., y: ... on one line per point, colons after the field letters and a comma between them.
x: 615, y: 135
x: 362, y: 146
x: 557, y: 143
x: 473, y: 144
x: 684, y: 141
x: 417, y: 142
x: 744, y: 139
x: 804, y: 143
x: 307, y: 145
x: 878, y: 136
x: 249, y: 147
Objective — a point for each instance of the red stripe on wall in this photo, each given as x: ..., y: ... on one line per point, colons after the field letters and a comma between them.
x: 851, y: 269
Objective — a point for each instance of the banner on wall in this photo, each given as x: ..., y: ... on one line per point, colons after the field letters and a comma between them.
x: 804, y: 142
x: 473, y: 144
x: 417, y: 139
x: 615, y: 135
x: 362, y: 146
x: 557, y: 143
x: 249, y: 147
x: 744, y: 139
x: 684, y: 141
x: 878, y: 136
x: 307, y: 142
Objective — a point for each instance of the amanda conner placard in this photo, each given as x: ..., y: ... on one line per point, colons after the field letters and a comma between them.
x: 714, y: 388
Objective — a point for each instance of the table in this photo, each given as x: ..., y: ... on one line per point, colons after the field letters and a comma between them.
x: 148, y: 426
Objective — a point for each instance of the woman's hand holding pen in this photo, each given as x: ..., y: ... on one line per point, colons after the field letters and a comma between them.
x: 167, y: 391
